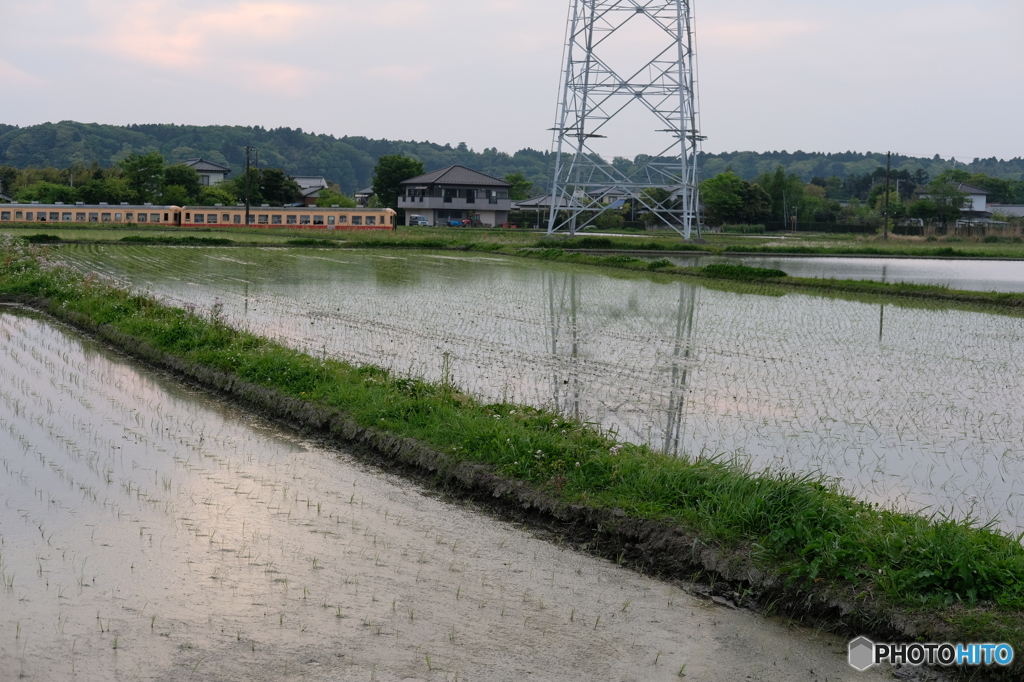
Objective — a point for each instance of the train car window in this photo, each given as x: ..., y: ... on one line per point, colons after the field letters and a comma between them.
x: 65, y: 218
x: 129, y: 217
x: 188, y: 217
x: 117, y: 217
x: 330, y: 220
x: 142, y: 217
x: 55, y: 217
x: 94, y: 217
x: 238, y: 220
x: 166, y: 216
x: 19, y: 215
x: 5, y: 215
x: 155, y: 217
x: 264, y: 219
x: 199, y: 219
x: 211, y: 218
x: 371, y: 220
x: 105, y: 217
x: 357, y: 220
x: 79, y: 217
x: 318, y: 220
x: 252, y: 219
x: 303, y: 220
x: 275, y: 219
x: 30, y: 216
x: 342, y: 219
x: 225, y: 218
x: 293, y: 219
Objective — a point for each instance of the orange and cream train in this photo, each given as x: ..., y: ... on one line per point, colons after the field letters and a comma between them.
x: 298, y: 217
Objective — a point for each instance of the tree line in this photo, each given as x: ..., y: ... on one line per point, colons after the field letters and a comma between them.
x: 853, y: 200
x: 349, y: 161
x: 147, y: 178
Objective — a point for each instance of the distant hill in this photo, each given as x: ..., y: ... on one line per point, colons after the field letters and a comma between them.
x: 349, y: 161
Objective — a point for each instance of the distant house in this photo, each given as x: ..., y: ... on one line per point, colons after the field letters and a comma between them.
x: 6, y: 199
x: 363, y: 196
x: 456, y: 193
x: 1008, y: 210
x: 975, y: 206
x: 310, y: 186
x: 209, y: 173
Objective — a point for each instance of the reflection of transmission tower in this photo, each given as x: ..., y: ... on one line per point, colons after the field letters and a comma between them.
x: 596, y: 90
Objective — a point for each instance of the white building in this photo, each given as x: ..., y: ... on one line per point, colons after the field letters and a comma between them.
x: 209, y: 173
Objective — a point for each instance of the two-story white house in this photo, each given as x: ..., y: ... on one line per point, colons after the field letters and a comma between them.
x: 209, y: 173
x: 456, y: 193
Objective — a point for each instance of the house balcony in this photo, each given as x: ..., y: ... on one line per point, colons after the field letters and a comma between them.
x: 453, y: 204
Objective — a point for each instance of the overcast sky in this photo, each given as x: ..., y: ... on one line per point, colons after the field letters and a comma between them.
x: 918, y: 77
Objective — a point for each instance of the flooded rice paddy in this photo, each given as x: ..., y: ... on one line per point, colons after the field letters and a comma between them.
x: 918, y: 407
x: 968, y: 275
x: 148, y: 532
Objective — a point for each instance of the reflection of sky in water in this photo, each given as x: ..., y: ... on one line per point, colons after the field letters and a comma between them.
x: 923, y: 407
x: 970, y: 275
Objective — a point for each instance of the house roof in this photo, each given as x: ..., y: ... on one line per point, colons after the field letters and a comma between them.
x: 368, y: 192
x: 4, y: 197
x: 1008, y: 209
x: 306, y: 182
x: 204, y: 166
x: 457, y: 175
x: 968, y: 189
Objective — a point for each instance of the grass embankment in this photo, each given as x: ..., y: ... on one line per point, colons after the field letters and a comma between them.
x: 794, y: 539
x: 781, y: 283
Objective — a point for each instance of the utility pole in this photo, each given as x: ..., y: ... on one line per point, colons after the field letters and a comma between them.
x: 888, y: 169
x: 248, y: 150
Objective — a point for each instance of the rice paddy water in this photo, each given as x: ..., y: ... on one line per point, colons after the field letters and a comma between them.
x: 150, y: 532
x: 917, y: 407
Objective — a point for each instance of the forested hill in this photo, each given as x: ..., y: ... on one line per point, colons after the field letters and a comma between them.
x: 349, y: 161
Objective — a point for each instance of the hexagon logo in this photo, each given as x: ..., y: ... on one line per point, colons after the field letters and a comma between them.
x: 862, y: 652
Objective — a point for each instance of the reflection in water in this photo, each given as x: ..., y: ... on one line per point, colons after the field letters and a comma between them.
x: 784, y: 381
x: 676, y: 412
x: 565, y: 390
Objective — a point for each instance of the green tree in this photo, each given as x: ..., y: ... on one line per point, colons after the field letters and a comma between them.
x: 389, y: 174
x: 236, y: 186
x: 217, y: 194
x: 185, y: 177
x: 328, y: 198
x: 175, y: 195
x: 722, y: 196
x: 610, y: 221
x: 47, y: 193
x: 144, y: 175
x: 8, y: 176
x: 521, y: 187
x: 278, y: 189
x: 757, y: 204
x: 947, y: 199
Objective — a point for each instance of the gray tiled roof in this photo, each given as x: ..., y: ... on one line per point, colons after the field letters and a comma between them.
x: 968, y: 189
x: 204, y: 166
x: 457, y: 175
x: 310, y: 181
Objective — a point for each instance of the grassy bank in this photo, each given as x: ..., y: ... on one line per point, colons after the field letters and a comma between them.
x: 985, y: 300
x: 795, y: 540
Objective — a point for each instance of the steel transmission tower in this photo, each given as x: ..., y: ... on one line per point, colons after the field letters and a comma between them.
x: 598, y: 87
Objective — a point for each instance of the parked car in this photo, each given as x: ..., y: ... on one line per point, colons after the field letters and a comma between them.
x: 418, y: 220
